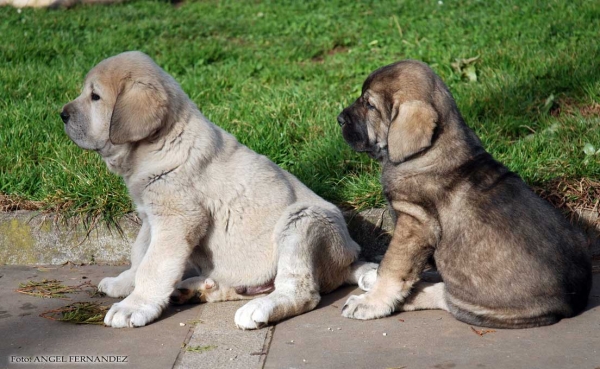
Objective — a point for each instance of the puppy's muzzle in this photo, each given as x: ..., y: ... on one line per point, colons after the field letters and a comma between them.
x: 341, y: 120
x: 64, y: 115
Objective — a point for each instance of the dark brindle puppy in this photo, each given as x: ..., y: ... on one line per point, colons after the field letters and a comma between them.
x: 508, y: 259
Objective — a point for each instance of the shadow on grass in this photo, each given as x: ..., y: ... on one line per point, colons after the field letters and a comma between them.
x: 523, y: 104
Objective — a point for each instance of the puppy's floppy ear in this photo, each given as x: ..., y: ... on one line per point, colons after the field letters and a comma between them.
x: 411, y: 131
x: 139, y: 111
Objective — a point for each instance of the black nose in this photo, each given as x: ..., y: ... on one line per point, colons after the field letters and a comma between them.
x: 341, y: 120
x: 64, y: 116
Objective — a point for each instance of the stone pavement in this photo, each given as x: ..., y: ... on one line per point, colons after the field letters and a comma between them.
x: 318, y: 339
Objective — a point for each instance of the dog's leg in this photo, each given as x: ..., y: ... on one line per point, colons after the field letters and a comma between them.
x: 191, y: 290
x: 426, y: 296
x: 124, y: 283
x: 296, y: 287
x: 202, y: 289
x: 296, y: 290
x: 400, y: 269
x: 161, y: 267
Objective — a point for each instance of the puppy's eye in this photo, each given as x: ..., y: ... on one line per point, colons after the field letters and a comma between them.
x: 370, y: 107
x: 95, y: 97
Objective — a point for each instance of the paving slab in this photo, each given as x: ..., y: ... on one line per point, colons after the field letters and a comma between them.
x: 430, y: 339
x: 24, y: 334
x: 217, y: 343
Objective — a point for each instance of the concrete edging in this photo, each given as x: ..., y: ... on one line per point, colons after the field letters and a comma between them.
x: 31, y: 237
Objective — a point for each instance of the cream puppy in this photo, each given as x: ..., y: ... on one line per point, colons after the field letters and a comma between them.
x: 205, y: 199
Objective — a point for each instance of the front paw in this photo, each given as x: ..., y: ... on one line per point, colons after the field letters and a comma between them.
x: 121, y: 286
x: 134, y: 311
x: 255, y: 314
x: 366, y: 306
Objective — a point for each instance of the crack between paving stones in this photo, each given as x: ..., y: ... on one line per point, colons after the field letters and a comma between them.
x: 267, y: 345
x: 186, y: 340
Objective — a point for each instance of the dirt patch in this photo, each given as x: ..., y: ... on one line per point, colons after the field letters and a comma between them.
x: 569, y: 107
x: 590, y: 110
x: 580, y: 201
x: 576, y: 197
x: 336, y: 50
x: 14, y: 203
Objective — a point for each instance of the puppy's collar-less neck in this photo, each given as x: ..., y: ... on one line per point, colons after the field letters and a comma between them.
x: 380, y: 153
x: 115, y: 157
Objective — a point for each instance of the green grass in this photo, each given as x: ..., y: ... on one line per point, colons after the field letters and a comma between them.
x: 277, y: 73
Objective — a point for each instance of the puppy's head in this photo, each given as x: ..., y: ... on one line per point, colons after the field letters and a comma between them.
x: 400, y: 108
x: 125, y: 99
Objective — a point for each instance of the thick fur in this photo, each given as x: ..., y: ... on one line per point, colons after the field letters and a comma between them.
x: 507, y: 258
x: 204, y: 199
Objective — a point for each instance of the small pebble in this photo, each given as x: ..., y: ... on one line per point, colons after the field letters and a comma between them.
x: 292, y: 341
x: 339, y: 329
x: 181, y: 324
x: 385, y: 334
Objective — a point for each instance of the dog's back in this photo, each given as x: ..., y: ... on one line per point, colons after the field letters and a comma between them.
x: 527, y: 265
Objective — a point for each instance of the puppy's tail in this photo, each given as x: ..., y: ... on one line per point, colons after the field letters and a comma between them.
x: 363, y: 274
